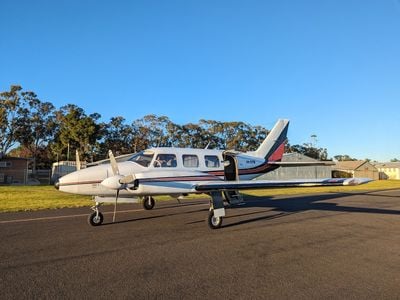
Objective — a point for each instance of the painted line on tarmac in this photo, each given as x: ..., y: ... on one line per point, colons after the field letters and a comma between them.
x: 63, y: 217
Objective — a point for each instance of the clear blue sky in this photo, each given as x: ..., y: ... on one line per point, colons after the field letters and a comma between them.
x: 332, y: 67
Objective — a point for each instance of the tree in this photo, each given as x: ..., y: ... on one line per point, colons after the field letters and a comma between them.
x: 117, y: 136
x: 394, y: 160
x: 150, y: 131
x: 76, y: 130
x: 306, y: 149
x: 344, y: 157
x: 9, y: 114
x: 35, y: 125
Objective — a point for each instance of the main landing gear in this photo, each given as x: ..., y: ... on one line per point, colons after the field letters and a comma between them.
x: 213, y: 221
x: 148, y: 202
x: 217, y: 210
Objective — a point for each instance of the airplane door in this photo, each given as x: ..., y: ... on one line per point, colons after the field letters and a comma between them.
x: 230, y: 169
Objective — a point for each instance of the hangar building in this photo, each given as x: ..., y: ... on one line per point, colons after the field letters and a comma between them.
x: 304, y: 172
x: 356, y: 168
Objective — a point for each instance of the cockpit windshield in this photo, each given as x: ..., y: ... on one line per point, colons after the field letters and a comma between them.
x: 143, y: 158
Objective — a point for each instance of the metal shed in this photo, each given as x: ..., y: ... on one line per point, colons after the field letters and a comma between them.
x: 357, y: 168
x: 306, y: 172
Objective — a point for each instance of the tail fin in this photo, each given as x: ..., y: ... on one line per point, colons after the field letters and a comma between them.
x: 273, y: 146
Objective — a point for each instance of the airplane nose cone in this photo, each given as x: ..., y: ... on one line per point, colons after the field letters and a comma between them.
x: 57, y: 184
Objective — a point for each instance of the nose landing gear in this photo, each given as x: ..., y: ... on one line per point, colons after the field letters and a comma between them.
x: 96, y: 218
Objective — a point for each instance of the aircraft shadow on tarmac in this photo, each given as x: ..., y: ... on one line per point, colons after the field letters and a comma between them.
x: 292, y: 205
x: 282, y: 206
x: 156, y: 210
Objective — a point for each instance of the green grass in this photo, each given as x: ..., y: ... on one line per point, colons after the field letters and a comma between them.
x: 24, y: 198
x: 19, y: 198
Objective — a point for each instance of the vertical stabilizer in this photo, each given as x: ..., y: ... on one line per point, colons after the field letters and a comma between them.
x: 273, y: 146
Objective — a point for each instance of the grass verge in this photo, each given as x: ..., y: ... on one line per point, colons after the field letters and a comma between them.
x: 26, y: 198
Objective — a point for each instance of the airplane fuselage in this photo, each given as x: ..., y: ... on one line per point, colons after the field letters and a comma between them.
x: 161, y: 171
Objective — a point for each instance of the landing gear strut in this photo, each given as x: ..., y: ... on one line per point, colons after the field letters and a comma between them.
x: 96, y: 218
x: 148, y: 202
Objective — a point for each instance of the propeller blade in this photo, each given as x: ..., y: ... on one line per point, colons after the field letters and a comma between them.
x: 113, y: 162
x: 78, y: 162
x: 115, y: 206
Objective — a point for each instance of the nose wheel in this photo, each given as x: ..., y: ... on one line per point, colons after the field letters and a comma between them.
x: 96, y: 218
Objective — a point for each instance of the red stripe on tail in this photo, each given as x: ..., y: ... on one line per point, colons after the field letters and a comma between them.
x: 277, y: 155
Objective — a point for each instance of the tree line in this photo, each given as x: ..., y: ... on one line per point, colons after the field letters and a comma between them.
x: 32, y: 128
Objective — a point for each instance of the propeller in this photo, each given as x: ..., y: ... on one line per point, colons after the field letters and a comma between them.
x: 116, y: 182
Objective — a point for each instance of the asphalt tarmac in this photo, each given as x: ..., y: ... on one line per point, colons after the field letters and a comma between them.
x: 336, y: 246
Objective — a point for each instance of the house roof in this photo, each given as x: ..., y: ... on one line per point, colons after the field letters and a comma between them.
x: 388, y: 165
x: 297, y: 157
x: 349, y: 165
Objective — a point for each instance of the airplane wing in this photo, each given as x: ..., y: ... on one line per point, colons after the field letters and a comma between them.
x: 262, y: 184
x: 301, y: 163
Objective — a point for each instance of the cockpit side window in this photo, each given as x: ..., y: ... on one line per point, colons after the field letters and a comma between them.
x: 142, y: 158
x: 211, y: 161
x: 165, y: 161
x: 190, y: 161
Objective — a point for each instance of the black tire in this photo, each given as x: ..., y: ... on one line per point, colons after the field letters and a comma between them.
x: 95, y: 220
x: 213, y: 222
x: 148, y: 203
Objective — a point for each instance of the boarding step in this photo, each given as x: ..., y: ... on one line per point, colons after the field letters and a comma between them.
x: 234, y: 197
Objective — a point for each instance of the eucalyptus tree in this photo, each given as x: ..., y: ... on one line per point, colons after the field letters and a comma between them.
x: 76, y: 130
x: 118, y: 136
x: 10, y: 103
x: 36, y: 124
x: 310, y: 151
x: 150, y: 131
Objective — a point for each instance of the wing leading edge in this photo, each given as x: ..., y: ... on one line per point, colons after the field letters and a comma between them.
x: 261, y: 184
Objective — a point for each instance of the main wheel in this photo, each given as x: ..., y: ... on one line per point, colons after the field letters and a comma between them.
x: 95, y: 219
x: 148, y: 203
x: 213, y: 221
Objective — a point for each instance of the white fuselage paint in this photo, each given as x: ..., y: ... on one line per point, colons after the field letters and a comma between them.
x: 157, y: 180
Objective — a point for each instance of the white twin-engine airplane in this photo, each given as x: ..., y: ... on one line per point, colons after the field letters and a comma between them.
x: 182, y: 171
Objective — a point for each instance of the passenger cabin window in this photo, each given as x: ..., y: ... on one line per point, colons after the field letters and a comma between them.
x: 142, y: 158
x: 212, y: 161
x: 165, y: 161
x: 190, y: 161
